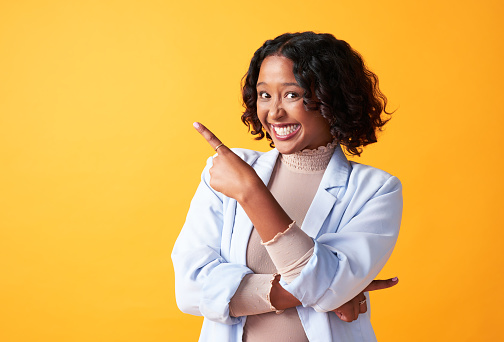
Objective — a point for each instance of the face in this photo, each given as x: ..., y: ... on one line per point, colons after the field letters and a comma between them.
x: 281, y: 110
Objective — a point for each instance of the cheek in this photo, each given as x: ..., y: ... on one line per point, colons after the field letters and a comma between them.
x: 262, y: 114
x: 298, y: 108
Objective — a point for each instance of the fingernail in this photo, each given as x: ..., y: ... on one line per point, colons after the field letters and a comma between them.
x: 395, y: 279
x: 196, y: 125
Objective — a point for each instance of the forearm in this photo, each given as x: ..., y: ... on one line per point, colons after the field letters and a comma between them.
x: 262, y: 293
x: 252, y: 296
x: 280, y: 298
x: 288, y: 246
x: 258, y: 294
x: 264, y: 211
x: 290, y: 251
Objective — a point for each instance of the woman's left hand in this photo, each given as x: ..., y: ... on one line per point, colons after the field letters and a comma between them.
x: 351, y: 310
x: 229, y: 174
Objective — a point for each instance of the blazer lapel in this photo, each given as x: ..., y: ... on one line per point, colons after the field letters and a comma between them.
x: 263, y: 166
x: 334, y: 180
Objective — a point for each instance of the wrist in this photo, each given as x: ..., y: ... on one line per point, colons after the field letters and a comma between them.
x: 280, y: 298
x: 252, y: 193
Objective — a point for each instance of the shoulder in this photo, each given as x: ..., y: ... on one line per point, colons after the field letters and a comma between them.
x: 247, y: 155
x: 251, y: 157
x: 353, y: 176
x: 370, y: 190
x: 256, y: 159
x: 372, y: 180
x: 361, y: 171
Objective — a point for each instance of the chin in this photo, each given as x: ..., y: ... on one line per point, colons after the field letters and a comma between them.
x: 284, y: 149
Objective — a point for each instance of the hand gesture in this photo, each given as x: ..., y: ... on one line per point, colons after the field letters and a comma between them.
x: 350, y: 311
x: 229, y: 174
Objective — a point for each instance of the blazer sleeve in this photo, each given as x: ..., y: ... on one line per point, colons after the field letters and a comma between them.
x: 348, y: 257
x: 205, y: 281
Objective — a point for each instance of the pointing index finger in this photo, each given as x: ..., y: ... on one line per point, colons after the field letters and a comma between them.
x: 208, y: 135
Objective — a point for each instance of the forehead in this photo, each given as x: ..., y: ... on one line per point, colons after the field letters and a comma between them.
x: 276, y: 69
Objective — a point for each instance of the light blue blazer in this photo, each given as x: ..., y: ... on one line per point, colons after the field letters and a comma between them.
x: 354, y: 220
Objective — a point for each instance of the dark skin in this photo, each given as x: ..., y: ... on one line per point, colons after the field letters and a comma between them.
x: 348, y: 312
x: 234, y: 178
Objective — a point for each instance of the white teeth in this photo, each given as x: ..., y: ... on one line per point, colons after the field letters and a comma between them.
x: 285, y: 130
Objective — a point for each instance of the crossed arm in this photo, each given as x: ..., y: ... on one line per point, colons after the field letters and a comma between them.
x: 234, y: 178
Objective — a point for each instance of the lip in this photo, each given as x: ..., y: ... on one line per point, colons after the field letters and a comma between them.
x: 284, y: 137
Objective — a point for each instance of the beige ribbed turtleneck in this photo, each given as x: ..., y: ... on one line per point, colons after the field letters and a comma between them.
x: 293, y: 183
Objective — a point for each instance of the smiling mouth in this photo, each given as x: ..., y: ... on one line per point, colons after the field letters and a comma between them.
x: 285, y: 131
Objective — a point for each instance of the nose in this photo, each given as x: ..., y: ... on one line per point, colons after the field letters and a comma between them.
x: 276, y: 111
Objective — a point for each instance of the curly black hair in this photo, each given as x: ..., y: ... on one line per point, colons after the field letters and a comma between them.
x: 347, y: 92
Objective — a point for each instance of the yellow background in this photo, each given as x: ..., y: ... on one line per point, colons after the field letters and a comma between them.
x: 99, y: 160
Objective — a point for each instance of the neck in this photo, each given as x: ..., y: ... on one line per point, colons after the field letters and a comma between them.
x: 315, y: 160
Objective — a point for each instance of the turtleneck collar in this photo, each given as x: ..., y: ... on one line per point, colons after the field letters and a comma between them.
x: 309, y: 161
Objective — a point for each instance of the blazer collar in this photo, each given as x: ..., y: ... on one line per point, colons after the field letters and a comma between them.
x: 337, y: 172
x: 265, y: 164
x: 335, y: 177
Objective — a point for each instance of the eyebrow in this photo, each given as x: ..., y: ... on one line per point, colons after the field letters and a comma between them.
x: 284, y: 84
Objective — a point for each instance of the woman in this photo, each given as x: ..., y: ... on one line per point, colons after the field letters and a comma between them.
x: 282, y: 245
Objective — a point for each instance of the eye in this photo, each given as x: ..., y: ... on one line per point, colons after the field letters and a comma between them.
x: 291, y: 95
x: 263, y: 95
